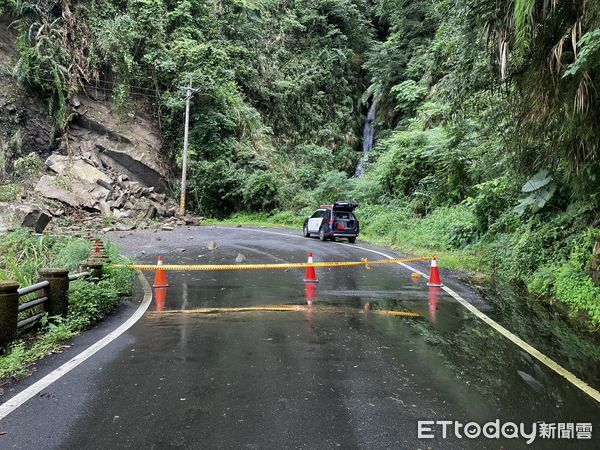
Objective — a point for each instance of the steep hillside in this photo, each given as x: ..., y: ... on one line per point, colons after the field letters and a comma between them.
x: 99, y: 164
x: 25, y: 125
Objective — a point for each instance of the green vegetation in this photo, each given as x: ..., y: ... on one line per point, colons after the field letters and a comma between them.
x: 279, y: 84
x: 10, y: 192
x: 23, y: 255
x: 487, y: 132
x: 21, y: 354
x: 28, y: 164
x: 8, y: 149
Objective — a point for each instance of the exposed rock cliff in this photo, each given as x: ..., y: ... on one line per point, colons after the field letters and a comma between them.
x: 132, y: 148
x: 102, y: 166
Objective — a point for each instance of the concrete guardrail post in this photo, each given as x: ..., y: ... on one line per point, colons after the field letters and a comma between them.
x: 9, y: 307
x: 95, y: 268
x: 57, y: 292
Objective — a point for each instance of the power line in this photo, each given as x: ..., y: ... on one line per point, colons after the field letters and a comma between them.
x: 155, y: 92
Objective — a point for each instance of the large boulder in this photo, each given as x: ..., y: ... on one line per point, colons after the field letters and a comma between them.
x: 73, y: 192
x: 75, y: 167
x: 48, y: 188
x: 13, y: 216
x: 37, y: 220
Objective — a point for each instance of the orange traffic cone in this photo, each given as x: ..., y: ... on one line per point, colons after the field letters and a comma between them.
x: 160, y: 276
x: 310, y: 290
x: 160, y: 295
x: 434, y: 298
x: 434, y: 274
x: 311, y: 274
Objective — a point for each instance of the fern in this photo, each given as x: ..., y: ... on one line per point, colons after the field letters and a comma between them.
x: 589, y: 52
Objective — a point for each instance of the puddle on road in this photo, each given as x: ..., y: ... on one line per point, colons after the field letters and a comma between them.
x: 471, y: 352
x: 525, y: 388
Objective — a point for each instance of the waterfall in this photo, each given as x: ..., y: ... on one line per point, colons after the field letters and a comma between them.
x: 368, y: 137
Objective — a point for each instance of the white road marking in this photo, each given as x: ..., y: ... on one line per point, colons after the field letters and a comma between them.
x: 548, y: 362
x: 12, y: 404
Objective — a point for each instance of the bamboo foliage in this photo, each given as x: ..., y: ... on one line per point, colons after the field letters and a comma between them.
x: 524, y: 22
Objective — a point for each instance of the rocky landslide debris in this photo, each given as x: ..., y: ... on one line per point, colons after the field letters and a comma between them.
x: 116, y: 173
x: 77, y: 183
x: 34, y: 216
x: 91, y: 198
x: 37, y: 220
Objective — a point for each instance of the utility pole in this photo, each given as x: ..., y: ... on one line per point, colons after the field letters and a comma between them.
x: 188, y: 96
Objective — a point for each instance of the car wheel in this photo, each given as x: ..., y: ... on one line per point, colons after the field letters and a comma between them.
x: 322, y: 234
x: 305, y: 232
x: 352, y: 240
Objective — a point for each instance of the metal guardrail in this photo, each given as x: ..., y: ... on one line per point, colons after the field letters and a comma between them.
x: 30, y: 320
x: 52, y: 294
x: 33, y: 288
x: 78, y: 276
x: 32, y: 304
x: 41, y: 286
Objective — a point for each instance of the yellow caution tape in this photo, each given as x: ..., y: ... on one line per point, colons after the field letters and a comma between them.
x: 185, y: 267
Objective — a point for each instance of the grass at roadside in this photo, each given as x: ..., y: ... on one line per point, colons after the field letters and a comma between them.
x: 284, y: 219
x: 24, y: 253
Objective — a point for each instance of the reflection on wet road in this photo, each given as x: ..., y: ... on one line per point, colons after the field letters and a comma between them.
x: 331, y: 375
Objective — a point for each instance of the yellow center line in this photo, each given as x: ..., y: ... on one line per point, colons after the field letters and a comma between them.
x: 282, y: 308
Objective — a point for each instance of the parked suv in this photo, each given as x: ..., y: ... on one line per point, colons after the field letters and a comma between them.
x: 333, y: 221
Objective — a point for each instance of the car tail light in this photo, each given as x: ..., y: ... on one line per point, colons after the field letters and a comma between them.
x: 330, y: 222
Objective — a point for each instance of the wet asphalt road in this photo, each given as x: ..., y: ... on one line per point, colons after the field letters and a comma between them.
x: 333, y: 377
